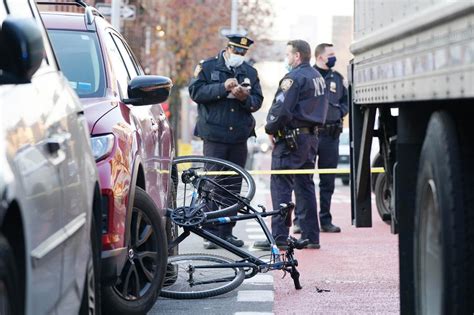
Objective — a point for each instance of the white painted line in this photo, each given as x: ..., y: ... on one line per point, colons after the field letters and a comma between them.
x: 253, y: 313
x: 252, y: 223
x: 253, y: 229
x: 255, y: 296
x: 253, y: 249
x: 256, y: 236
x: 260, y: 279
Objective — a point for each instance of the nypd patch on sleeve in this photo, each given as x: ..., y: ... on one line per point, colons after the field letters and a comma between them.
x: 197, y: 70
x: 286, y: 84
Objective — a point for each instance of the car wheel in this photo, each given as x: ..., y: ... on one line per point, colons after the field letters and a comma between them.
x: 383, y: 197
x: 91, y: 294
x: 378, y: 162
x: 141, y: 278
x: 9, y: 290
x: 171, y: 227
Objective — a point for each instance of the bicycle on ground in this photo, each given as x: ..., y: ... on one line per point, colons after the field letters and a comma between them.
x: 205, y: 191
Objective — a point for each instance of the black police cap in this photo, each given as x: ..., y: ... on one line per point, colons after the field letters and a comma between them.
x: 240, y: 41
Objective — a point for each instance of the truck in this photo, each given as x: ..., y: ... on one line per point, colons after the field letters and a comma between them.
x: 413, y: 73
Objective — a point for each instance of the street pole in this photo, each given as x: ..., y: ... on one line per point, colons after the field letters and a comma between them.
x: 115, y: 18
x: 234, y: 17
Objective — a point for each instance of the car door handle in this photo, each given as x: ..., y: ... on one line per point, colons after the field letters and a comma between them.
x: 55, y: 148
x: 52, y: 146
x: 56, y: 142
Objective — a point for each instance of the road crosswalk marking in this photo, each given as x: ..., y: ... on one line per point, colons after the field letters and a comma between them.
x: 253, y: 313
x: 260, y: 279
x: 255, y: 296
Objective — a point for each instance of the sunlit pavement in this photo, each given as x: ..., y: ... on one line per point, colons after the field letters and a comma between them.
x: 354, y: 272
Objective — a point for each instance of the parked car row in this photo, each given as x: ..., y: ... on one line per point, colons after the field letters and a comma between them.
x: 85, y: 158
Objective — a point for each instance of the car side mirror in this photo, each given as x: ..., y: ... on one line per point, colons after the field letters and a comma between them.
x: 21, y: 49
x: 148, y: 89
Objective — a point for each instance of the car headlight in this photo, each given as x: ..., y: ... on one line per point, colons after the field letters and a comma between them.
x: 102, y: 146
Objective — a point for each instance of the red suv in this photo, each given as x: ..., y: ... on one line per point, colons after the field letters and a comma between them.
x: 133, y: 146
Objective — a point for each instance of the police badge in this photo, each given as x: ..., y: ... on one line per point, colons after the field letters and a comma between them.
x: 333, y: 87
x: 286, y: 84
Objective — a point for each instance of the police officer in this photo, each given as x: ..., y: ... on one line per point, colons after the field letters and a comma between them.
x: 227, y: 91
x: 299, y: 107
x: 328, y: 150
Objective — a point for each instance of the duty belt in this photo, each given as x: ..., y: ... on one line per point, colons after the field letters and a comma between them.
x: 280, y: 135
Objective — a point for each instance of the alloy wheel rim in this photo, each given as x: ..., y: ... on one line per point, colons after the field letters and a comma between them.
x: 140, y: 267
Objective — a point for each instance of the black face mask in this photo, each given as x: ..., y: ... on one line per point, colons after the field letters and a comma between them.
x: 331, y: 62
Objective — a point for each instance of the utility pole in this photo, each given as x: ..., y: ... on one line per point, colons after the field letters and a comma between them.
x: 115, y: 17
x: 234, y: 17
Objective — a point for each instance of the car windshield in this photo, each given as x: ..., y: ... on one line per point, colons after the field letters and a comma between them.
x: 79, y: 58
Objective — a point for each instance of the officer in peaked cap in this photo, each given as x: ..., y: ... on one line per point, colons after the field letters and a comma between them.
x: 227, y: 91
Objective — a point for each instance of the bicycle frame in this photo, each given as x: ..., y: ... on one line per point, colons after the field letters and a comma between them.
x: 253, y: 260
x: 288, y: 264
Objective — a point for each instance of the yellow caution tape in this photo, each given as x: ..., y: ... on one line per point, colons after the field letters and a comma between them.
x: 295, y: 172
x: 311, y: 171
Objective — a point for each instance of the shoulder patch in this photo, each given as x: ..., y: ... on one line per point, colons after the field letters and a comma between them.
x: 286, y: 84
x: 197, y: 70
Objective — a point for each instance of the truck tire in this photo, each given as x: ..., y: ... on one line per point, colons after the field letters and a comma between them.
x: 378, y: 162
x: 442, y: 243
x: 383, y: 197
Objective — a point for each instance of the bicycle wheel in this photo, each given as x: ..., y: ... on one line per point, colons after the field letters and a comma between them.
x: 224, y: 184
x: 192, y: 282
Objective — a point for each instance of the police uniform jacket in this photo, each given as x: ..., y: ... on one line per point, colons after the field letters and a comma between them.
x: 337, y: 96
x: 220, y: 118
x: 300, y: 101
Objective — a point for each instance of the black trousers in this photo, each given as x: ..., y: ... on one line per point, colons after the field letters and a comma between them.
x: 282, y: 186
x: 236, y: 153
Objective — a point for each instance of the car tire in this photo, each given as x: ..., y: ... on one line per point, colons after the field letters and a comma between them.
x: 145, y: 264
x: 172, y: 233
x: 383, y: 198
x: 378, y: 162
x: 9, y: 284
x: 444, y: 216
x: 171, y: 227
x: 91, y: 302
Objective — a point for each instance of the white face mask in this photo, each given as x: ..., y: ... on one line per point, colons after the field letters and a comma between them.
x: 288, y: 67
x: 235, y: 60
